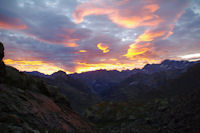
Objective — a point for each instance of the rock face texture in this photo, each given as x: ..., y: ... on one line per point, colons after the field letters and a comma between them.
x: 27, y: 111
x: 2, y: 65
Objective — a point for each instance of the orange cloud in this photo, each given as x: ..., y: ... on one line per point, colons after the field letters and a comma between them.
x: 79, y: 14
x: 18, y: 25
x: 24, y: 65
x: 82, y: 51
x: 72, y: 45
x: 113, y: 59
x: 84, y: 67
x: 135, y: 50
x: 150, y: 36
x: 103, y: 47
x: 124, y: 17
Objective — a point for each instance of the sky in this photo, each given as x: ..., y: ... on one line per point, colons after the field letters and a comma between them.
x: 85, y: 35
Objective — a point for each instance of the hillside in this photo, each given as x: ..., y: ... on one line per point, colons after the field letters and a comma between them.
x: 28, y: 104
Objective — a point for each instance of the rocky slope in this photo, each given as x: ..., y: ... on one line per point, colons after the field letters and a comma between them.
x: 28, y: 104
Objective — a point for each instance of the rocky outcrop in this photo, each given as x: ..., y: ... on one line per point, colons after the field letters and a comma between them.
x: 2, y: 65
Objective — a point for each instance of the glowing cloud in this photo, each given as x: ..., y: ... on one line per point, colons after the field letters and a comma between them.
x: 72, y: 45
x: 135, y: 50
x: 119, y: 12
x: 113, y: 59
x: 82, y: 51
x: 103, y: 47
x: 139, y: 49
x: 150, y: 36
x: 84, y: 67
x: 40, y: 66
x: 11, y: 23
x: 195, y: 56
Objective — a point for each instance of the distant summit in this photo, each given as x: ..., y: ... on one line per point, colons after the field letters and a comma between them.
x: 166, y: 65
x: 59, y: 74
x: 36, y: 73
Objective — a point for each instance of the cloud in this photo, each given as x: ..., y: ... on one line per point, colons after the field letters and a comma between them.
x: 56, y: 29
x: 65, y: 34
x: 157, y: 32
x: 150, y: 36
x: 154, y: 15
x: 23, y: 65
x: 103, y: 47
x: 191, y: 56
x: 9, y: 23
x: 82, y: 51
x: 135, y: 50
x: 83, y: 67
x: 127, y: 13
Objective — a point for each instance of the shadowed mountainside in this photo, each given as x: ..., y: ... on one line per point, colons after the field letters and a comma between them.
x: 173, y: 109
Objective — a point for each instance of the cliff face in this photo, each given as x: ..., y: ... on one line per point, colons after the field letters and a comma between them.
x: 28, y: 104
x: 2, y: 65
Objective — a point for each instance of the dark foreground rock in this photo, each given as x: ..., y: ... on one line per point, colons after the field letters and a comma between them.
x: 27, y: 111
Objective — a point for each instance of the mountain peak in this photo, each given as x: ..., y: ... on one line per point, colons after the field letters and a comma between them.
x: 167, y: 62
x: 59, y: 74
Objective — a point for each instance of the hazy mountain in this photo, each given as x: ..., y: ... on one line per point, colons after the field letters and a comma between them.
x: 36, y: 73
x: 167, y: 65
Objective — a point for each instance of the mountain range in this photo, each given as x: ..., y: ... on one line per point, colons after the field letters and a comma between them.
x: 160, y: 98
x: 104, y: 84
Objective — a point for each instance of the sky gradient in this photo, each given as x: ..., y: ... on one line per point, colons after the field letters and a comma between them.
x: 85, y: 35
